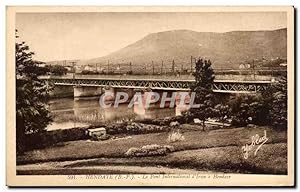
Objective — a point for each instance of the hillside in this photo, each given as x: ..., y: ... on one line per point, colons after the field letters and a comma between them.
x: 224, y: 49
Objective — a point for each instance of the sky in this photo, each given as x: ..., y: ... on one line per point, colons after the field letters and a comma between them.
x: 64, y: 36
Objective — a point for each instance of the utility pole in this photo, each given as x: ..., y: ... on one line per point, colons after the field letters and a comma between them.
x: 191, y: 64
x: 162, y: 66
x: 74, y: 68
x: 152, y: 68
x: 74, y: 72
x: 130, y: 66
x: 50, y: 74
x: 253, y: 66
x: 173, y: 66
x: 107, y: 66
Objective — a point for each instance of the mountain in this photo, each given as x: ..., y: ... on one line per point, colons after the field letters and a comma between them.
x: 225, y: 50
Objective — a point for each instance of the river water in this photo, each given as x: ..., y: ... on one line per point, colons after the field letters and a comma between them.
x: 69, y: 112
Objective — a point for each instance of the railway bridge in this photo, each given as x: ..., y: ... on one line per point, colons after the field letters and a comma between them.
x: 97, y: 84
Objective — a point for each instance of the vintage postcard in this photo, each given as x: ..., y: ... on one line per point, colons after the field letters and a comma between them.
x: 150, y: 96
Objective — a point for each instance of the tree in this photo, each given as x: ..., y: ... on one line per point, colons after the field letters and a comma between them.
x: 259, y: 112
x: 266, y: 105
x: 56, y: 70
x: 242, y: 118
x: 222, y: 112
x: 240, y: 108
x: 204, y: 78
x: 250, y: 109
x: 271, y: 107
x: 32, y: 114
x: 279, y: 104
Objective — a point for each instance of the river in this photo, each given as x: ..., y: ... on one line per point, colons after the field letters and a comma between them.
x: 69, y: 113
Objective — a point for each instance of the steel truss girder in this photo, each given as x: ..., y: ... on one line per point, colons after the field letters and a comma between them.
x: 181, y: 85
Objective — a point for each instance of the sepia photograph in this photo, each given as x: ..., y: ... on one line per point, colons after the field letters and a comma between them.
x: 150, y: 96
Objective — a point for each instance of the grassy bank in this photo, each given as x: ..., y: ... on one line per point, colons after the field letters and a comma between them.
x: 270, y: 159
x: 83, y: 149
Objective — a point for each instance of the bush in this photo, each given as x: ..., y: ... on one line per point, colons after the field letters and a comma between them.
x: 89, y: 72
x: 279, y: 109
x: 149, y: 150
x: 58, y: 70
x: 222, y: 112
x: 49, y: 138
x: 267, y: 108
x: 188, y: 117
x: 175, y: 136
x: 135, y: 128
x: 164, y: 121
x: 249, y: 109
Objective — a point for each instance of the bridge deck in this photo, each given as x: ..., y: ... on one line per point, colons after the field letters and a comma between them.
x: 165, y: 80
x: 222, y: 86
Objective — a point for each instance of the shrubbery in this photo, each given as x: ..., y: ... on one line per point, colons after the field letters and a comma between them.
x: 249, y: 110
x: 175, y: 136
x: 56, y: 70
x: 267, y: 108
x: 149, y: 150
x: 163, y: 121
x: 135, y: 128
x: 222, y: 112
x: 89, y: 72
x: 278, y: 111
x: 49, y: 138
x: 240, y: 110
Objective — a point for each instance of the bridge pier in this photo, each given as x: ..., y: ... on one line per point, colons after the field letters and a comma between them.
x: 186, y: 97
x: 61, y: 91
x: 168, y: 99
x: 109, y: 94
x: 83, y: 91
x: 130, y: 92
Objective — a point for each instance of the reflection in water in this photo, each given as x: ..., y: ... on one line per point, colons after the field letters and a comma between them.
x: 68, y: 113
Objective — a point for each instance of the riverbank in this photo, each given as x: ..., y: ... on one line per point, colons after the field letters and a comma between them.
x: 213, y: 150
